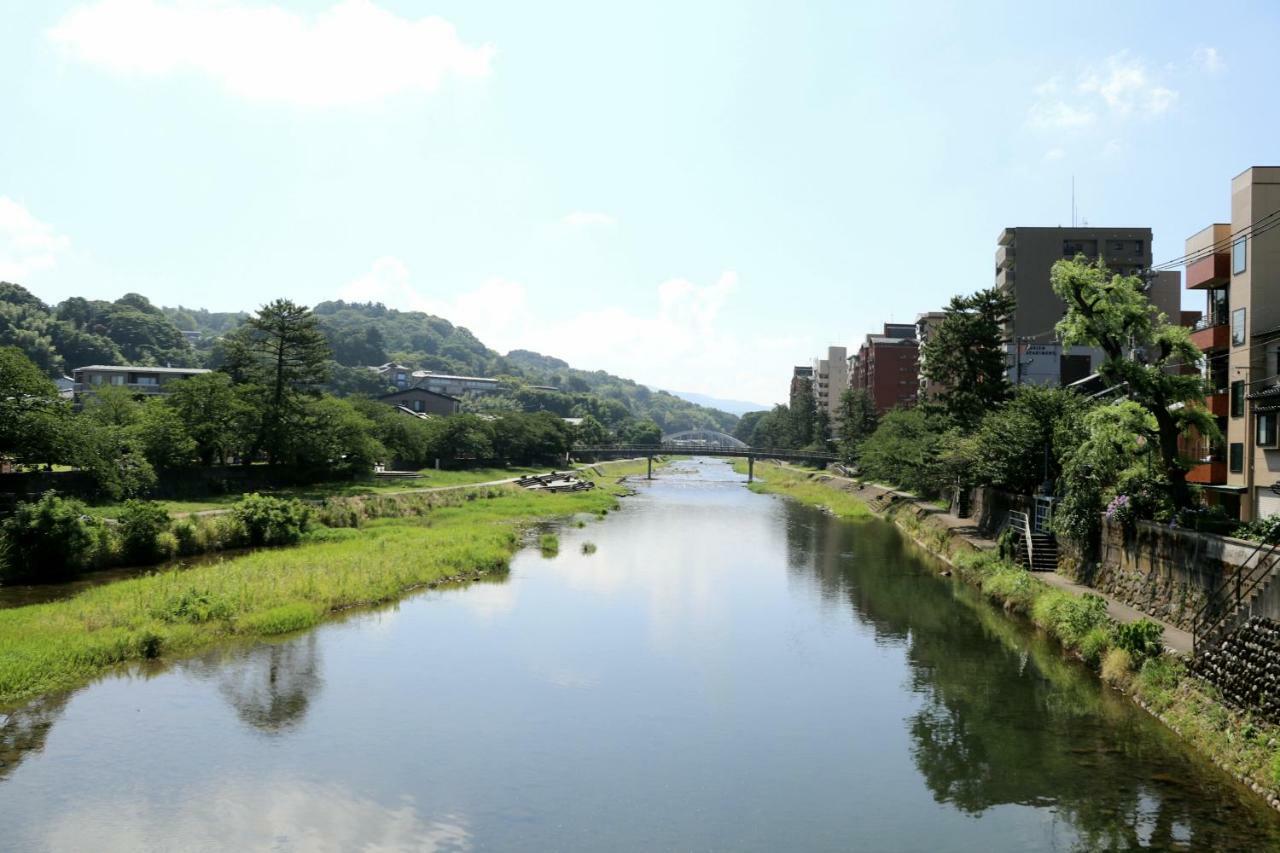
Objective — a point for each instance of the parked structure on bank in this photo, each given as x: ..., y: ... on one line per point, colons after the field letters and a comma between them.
x: 1236, y: 265
x: 885, y: 366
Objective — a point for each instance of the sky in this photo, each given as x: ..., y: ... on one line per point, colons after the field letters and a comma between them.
x: 693, y: 195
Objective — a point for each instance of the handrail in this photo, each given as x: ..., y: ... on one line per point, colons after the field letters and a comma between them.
x: 1243, y: 590
x: 1025, y: 524
x: 681, y: 448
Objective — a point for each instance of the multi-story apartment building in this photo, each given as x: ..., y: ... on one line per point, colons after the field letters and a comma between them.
x: 1237, y: 267
x: 1024, y: 257
x: 885, y: 366
x: 830, y: 379
x: 140, y: 380
x: 925, y: 325
x: 801, y: 378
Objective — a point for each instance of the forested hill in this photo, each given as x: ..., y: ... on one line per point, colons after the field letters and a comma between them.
x: 131, y: 330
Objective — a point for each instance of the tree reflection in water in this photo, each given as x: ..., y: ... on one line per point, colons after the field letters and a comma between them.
x: 1008, y: 720
x: 270, y: 685
x: 24, y: 731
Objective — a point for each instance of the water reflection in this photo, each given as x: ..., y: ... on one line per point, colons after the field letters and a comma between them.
x: 269, y: 685
x: 254, y: 815
x: 23, y: 731
x: 1007, y: 720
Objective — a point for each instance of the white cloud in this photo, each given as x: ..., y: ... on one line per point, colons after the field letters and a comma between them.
x: 352, y: 52
x: 1053, y: 155
x: 1208, y: 60
x: 1120, y: 87
x: 587, y: 218
x: 27, y: 245
x: 677, y: 338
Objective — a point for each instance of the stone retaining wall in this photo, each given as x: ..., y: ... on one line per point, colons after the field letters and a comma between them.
x: 1246, y: 667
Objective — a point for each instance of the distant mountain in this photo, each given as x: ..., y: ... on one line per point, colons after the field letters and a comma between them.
x: 734, y: 407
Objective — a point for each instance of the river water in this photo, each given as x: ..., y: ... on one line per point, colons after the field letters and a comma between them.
x: 728, y: 671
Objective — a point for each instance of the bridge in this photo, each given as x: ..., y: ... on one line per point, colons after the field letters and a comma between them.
x: 672, y: 445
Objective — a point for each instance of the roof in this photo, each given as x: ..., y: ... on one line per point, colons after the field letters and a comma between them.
x: 886, y: 339
x: 137, y: 368
x: 420, y: 390
x: 1266, y: 400
x: 426, y: 374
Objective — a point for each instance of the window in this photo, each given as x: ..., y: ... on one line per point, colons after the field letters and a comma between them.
x: 1238, y: 256
x: 1237, y: 398
x: 1267, y: 429
x: 1236, y: 460
x: 1238, y: 333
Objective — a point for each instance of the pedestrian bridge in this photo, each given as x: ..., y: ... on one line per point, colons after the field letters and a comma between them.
x: 673, y: 445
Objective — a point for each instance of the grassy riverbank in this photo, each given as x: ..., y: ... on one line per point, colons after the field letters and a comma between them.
x: 798, y: 484
x: 56, y: 646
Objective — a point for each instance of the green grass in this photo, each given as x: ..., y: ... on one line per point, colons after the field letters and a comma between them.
x: 796, y: 484
x: 57, y: 646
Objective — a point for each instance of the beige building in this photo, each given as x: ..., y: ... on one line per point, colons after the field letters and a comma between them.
x: 140, y: 380
x: 1024, y: 257
x: 830, y: 380
x: 1237, y: 266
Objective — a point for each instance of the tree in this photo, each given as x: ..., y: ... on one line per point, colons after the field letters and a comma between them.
x: 111, y: 405
x: 31, y: 414
x: 1144, y: 353
x: 804, y: 416
x: 857, y: 419
x: 746, y: 426
x: 645, y: 432
x: 904, y: 451
x: 282, y: 350
x: 591, y: 432
x: 212, y: 412
x: 1021, y: 445
x: 339, y: 438
x: 773, y: 429
x: 966, y: 355
x: 162, y: 433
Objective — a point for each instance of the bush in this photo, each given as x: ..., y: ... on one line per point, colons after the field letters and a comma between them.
x: 1012, y: 586
x: 1261, y: 530
x: 1094, y: 645
x: 1117, y: 668
x: 187, y: 538
x: 271, y: 521
x: 549, y: 544
x: 49, y: 538
x: 141, y: 523
x: 1142, y: 639
x: 1070, y: 618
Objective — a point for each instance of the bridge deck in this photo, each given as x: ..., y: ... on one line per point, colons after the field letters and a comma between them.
x: 742, y: 452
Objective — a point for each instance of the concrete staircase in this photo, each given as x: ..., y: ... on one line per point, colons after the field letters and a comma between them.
x: 1231, y: 603
x: 1035, y: 552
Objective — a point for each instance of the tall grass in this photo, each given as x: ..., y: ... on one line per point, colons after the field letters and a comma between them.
x: 799, y: 485
x: 59, y: 645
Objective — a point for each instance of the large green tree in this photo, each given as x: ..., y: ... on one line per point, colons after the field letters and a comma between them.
x: 966, y: 355
x: 281, y: 351
x: 857, y: 419
x: 1144, y: 352
x: 31, y: 414
x: 215, y: 415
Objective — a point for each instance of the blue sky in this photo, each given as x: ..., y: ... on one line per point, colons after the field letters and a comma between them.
x: 695, y: 195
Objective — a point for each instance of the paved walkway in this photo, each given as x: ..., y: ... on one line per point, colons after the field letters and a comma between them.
x: 1175, y: 638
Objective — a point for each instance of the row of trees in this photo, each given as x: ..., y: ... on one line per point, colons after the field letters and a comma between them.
x: 1121, y: 448
x: 267, y: 403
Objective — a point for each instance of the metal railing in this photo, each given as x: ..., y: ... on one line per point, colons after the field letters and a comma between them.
x: 1019, y: 521
x: 1225, y: 601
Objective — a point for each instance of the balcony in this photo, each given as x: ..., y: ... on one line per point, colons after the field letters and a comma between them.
x: 1218, y: 404
x: 1004, y: 278
x: 1209, y: 272
x: 1005, y: 256
x: 1211, y: 337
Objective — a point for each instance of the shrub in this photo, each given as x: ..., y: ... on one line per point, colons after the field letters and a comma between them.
x: 49, y: 538
x: 166, y: 545
x: 268, y: 520
x: 549, y: 544
x: 1261, y: 530
x: 1117, y: 668
x: 1094, y: 645
x: 1069, y: 618
x: 1011, y: 585
x: 141, y: 523
x: 1141, y: 639
x: 187, y: 538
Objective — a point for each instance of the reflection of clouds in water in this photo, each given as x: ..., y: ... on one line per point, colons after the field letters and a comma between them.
x: 488, y: 601
x: 276, y: 816
x: 562, y: 676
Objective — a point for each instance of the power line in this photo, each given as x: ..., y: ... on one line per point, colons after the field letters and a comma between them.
x: 1249, y: 231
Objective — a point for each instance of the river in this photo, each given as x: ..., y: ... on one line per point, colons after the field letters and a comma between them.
x: 727, y: 671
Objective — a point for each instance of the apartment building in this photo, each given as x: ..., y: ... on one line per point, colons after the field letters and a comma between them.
x: 885, y: 366
x: 926, y: 324
x: 1236, y: 265
x: 830, y: 380
x: 140, y: 380
x: 1024, y: 258
x: 801, y: 378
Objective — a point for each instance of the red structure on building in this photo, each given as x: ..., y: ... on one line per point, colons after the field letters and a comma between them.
x: 887, y: 366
